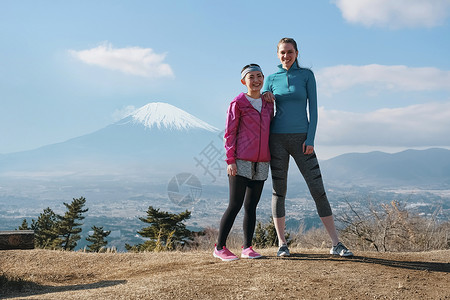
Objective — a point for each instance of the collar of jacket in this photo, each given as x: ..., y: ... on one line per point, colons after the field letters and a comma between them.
x: 242, y: 99
x: 295, y: 66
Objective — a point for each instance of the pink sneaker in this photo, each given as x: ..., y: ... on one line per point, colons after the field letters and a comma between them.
x: 224, y: 254
x: 249, y: 253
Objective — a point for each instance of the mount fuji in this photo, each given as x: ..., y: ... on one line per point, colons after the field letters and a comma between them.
x: 158, y: 138
x: 163, y: 115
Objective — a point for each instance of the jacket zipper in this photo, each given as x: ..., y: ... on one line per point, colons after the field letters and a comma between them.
x: 260, y: 123
x: 287, y: 81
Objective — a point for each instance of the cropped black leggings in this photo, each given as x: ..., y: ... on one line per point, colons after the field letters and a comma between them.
x: 283, y: 145
x: 242, y: 191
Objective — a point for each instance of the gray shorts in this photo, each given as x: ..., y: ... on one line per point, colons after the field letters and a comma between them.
x: 252, y: 170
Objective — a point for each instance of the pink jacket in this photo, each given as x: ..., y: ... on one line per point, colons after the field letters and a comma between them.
x: 247, y: 131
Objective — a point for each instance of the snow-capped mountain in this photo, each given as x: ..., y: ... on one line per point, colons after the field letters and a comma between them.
x: 163, y: 115
x: 157, y: 137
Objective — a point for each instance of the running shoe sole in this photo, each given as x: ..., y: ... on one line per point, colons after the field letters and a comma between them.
x: 346, y: 254
x: 250, y: 257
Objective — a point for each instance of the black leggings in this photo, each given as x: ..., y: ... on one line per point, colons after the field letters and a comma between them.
x: 242, y: 191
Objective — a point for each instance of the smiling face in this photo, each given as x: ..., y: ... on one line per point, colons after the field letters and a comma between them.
x: 287, y: 54
x: 253, y: 81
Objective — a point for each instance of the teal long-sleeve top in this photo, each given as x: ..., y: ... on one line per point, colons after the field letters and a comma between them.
x: 294, y: 90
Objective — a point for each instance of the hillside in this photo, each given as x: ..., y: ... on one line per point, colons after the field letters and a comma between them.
x: 307, y: 274
x: 409, y: 168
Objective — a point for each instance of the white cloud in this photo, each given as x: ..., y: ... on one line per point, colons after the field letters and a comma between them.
x: 379, y: 77
x: 119, y: 114
x: 395, y: 13
x: 422, y: 125
x: 131, y: 60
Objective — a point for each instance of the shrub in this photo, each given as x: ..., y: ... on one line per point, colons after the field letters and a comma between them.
x: 393, y: 228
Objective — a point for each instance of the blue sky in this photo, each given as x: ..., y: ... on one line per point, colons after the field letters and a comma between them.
x: 70, y: 68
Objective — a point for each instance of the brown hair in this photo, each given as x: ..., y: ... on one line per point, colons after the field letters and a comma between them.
x: 287, y: 41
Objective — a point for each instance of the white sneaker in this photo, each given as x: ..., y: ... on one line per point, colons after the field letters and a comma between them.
x: 341, y: 250
x: 283, y: 251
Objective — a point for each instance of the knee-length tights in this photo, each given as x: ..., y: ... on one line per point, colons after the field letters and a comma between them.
x: 283, y: 145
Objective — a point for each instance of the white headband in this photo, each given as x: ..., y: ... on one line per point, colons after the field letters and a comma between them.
x: 250, y: 69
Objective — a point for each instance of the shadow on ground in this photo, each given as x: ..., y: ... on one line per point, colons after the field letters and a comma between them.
x: 26, y: 289
x: 412, y: 265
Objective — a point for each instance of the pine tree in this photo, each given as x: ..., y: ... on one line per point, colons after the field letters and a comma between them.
x: 259, y: 238
x: 266, y: 235
x: 97, y: 239
x: 166, y: 231
x: 68, y: 228
x: 272, y: 238
x: 46, y: 230
x: 24, y: 225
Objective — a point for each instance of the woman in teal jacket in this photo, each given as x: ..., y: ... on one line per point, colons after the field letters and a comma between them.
x: 292, y: 134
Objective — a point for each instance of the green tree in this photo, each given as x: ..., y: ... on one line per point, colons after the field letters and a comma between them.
x: 24, y: 225
x: 166, y: 231
x: 97, y: 239
x: 272, y: 237
x: 259, y: 238
x: 46, y: 230
x: 266, y: 235
x: 69, y: 229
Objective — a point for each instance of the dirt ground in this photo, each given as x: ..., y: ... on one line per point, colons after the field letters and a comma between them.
x: 307, y: 274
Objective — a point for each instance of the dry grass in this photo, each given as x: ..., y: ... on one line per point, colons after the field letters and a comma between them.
x: 307, y: 274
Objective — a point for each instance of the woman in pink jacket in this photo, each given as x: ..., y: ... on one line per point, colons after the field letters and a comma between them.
x: 247, y: 150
